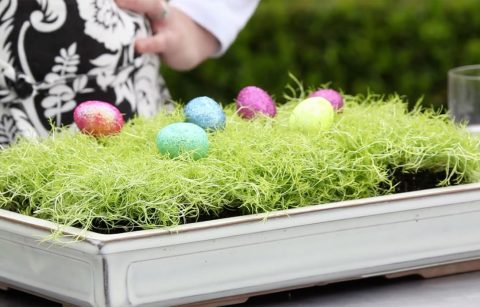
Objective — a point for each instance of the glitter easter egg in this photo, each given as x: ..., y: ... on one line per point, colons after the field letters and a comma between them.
x: 178, y: 138
x: 331, y: 95
x: 312, y: 115
x: 205, y: 112
x: 252, y: 100
x: 98, y: 118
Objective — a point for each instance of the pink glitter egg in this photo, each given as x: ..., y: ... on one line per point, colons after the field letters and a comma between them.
x: 252, y: 100
x: 331, y: 95
x: 98, y: 118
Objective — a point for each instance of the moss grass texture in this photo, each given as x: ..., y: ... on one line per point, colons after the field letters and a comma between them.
x: 122, y: 183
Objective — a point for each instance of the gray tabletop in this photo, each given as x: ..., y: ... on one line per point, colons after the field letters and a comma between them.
x: 461, y: 290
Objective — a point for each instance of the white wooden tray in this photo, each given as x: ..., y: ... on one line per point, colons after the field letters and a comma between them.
x: 242, y: 256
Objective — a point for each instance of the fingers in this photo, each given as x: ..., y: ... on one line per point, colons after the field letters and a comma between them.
x: 179, y: 41
x: 156, y: 10
x: 152, y: 44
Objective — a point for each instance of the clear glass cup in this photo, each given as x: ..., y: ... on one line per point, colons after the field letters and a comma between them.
x: 464, y: 95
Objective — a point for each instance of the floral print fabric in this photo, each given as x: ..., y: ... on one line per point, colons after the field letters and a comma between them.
x: 55, y: 54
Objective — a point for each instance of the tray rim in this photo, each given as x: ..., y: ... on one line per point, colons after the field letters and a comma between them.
x: 101, y: 239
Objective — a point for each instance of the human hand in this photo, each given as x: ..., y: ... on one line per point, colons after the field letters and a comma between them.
x: 181, y: 43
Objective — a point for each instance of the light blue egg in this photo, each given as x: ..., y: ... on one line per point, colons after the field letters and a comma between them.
x: 205, y: 112
x: 178, y: 138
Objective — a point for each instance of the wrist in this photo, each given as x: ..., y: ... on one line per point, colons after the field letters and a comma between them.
x: 195, y: 45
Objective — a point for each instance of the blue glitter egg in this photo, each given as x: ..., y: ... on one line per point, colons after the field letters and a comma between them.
x: 205, y: 112
x: 179, y: 138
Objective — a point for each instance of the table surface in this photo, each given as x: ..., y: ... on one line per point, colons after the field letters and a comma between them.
x: 455, y: 290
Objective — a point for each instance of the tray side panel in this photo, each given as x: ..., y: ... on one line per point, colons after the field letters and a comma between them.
x: 303, y: 255
x: 49, y: 270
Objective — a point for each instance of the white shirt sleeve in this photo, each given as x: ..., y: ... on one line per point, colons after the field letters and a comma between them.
x: 223, y: 18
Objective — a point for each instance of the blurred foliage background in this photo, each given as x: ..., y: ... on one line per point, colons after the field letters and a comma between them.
x: 382, y: 46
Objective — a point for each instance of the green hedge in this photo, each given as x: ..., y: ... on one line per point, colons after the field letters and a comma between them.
x: 403, y: 47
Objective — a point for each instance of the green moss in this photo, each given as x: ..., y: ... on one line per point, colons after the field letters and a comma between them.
x: 122, y: 183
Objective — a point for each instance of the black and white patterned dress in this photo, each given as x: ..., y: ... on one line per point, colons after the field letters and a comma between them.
x: 55, y: 54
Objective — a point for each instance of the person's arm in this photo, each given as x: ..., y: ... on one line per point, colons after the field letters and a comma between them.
x: 224, y: 19
x: 193, y: 30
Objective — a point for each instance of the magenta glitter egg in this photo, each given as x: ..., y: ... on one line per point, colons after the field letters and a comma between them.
x: 331, y: 95
x: 98, y: 118
x: 252, y: 100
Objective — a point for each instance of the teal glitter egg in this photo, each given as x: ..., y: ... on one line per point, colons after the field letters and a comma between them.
x: 179, y: 138
x: 205, y: 112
